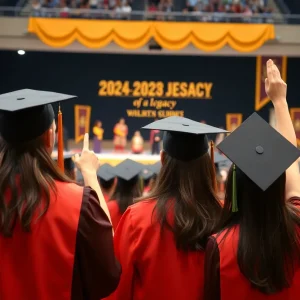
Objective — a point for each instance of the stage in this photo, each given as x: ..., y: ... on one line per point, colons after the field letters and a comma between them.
x: 112, y: 158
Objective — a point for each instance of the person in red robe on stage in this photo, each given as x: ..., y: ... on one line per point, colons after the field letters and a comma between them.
x: 255, y: 255
x: 55, y: 236
x: 160, y: 240
x: 120, y: 135
x: 107, y: 180
x: 128, y: 187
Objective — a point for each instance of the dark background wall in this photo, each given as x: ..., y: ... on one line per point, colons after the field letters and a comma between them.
x: 233, y: 81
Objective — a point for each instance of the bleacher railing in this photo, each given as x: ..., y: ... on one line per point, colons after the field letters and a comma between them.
x: 155, y: 16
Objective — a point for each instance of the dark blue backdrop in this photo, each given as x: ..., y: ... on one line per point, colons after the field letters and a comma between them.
x: 233, y: 81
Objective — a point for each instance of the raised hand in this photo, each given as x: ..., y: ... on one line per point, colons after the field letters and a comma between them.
x: 275, y: 87
x: 87, y: 162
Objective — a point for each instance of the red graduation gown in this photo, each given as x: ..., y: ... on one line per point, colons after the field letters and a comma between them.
x: 48, y: 251
x: 115, y: 214
x: 146, y: 189
x: 106, y: 197
x: 152, y: 267
x: 233, y: 285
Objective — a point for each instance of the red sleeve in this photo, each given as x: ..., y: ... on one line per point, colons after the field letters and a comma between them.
x: 125, y: 246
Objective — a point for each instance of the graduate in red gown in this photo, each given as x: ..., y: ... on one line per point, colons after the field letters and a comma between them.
x: 154, y: 170
x: 146, y: 176
x: 55, y: 236
x: 256, y: 254
x: 107, y: 180
x: 160, y: 240
x: 128, y: 187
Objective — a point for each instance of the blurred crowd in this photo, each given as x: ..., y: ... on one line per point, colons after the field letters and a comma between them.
x: 247, y: 7
x: 117, y: 8
x: 160, y: 5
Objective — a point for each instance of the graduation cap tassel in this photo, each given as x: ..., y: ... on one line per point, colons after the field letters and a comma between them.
x: 60, y: 141
x: 234, y: 192
x: 212, y: 156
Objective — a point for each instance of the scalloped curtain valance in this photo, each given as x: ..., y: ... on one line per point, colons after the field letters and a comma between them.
x: 135, y: 34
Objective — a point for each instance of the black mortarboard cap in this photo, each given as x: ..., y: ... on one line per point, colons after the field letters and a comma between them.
x: 68, y: 161
x: 259, y: 151
x: 128, y: 169
x: 155, y: 168
x: 184, y: 139
x: 146, y: 174
x: 27, y: 114
x: 106, y: 172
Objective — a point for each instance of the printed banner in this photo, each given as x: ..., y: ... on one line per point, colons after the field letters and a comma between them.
x: 82, y: 121
x: 261, y: 98
x: 233, y: 121
x: 155, y: 99
x: 295, y: 116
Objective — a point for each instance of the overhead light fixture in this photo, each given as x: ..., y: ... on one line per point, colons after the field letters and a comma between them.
x: 21, y: 52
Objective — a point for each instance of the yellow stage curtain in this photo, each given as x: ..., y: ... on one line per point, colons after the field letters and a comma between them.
x: 135, y: 34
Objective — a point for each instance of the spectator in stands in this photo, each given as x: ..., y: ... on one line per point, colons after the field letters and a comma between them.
x: 64, y: 12
x: 247, y: 11
x: 47, y: 4
x: 202, y: 5
x: 93, y: 4
x: 153, y: 5
x: 166, y: 5
x: 123, y: 9
x: 104, y: 4
x: 84, y: 4
x: 190, y: 5
x: 112, y: 4
x: 36, y: 6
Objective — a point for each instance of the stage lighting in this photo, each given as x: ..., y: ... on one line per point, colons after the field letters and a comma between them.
x: 21, y: 52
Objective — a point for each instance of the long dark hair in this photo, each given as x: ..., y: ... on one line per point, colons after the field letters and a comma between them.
x: 106, y: 185
x: 126, y: 191
x: 268, y: 246
x: 195, y: 205
x: 27, y: 175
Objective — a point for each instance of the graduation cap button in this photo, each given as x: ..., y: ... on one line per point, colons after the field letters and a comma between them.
x: 259, y: 150
x: 185, y: 125
x: 20, y: 98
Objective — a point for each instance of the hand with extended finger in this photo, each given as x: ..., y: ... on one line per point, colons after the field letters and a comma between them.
x: 87, y: 162
x: 275, y: 87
